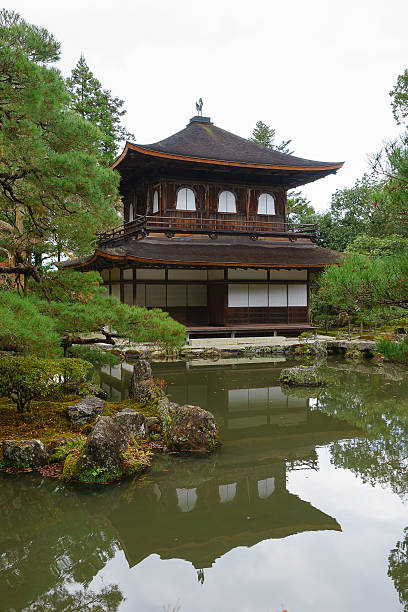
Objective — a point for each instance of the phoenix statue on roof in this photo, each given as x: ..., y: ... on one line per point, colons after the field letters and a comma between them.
x: 199, y: 107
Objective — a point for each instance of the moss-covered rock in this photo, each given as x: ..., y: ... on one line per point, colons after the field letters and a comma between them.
x: 301, y: 376
x: 353, y: 353
x: 132, y: 423
x: 24, y: 453
x: 108, y: 454
x: 189, y: 428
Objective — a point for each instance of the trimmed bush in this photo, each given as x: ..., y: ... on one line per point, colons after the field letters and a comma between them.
x: 393, y: 351
x: 24, y: 379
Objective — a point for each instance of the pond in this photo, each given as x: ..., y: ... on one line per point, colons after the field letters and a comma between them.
x: 304, y: 508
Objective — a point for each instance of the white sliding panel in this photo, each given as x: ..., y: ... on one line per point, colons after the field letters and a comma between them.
x: 128, y: 274
x: 156, y: 295
x: 237, y: 295
x: 297, y: 295
x: 278, y: 296
x: 258, y: 295
x: 176, y: 295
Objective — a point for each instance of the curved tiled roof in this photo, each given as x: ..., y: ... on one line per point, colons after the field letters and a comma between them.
x: 224, y: 252
x: 202, y: 140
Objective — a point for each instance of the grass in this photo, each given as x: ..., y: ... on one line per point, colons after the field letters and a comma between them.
x: 48, y: 419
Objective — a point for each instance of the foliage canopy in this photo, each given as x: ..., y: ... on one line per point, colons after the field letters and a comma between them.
x: 98, y: 106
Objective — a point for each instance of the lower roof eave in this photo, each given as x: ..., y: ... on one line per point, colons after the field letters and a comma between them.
x: 96, y: 260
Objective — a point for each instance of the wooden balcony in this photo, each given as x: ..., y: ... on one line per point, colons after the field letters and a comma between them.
x: 213, y: 227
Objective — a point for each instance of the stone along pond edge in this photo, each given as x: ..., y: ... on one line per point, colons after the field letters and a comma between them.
x: 118, y: 445
x: 122, y: 437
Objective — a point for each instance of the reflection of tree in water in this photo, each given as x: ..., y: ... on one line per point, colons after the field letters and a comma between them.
x: 398, y: 569
x: 51, y: 541
x: 376, y: 405
x: 59, y: 598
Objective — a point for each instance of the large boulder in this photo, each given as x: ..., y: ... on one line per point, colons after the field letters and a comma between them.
x: 301, y: 376
x: 190, y: 428
x: 86, y: 410
x: 319, y: 349
x: 132, y: 423
x: 165, y: 409
x: 103, y: 445
x: 106, y: 456
x: 141, y: 380
x: 24, y: 453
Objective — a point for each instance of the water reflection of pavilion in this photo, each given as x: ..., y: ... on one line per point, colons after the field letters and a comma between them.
x: 199, y: 509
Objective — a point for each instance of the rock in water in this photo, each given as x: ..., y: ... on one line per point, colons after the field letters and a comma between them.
x: 106, y: 456
x: 24, y: 453
x: 191, y: 428
x: 133, y: 423
x: 141, y: 380
x: 319, y: 350
x: 102, y: 448
x: 86, y: 410
x: 165, y: 409
x: 301, y: 376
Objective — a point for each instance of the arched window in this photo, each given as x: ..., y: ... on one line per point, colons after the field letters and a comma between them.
x: 131, y: 214
x: 227, y: 202
x: 155, y: 201
x: 185, y: 199
x: 266, y: 204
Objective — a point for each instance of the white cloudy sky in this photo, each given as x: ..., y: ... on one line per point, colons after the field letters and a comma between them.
x: 317, y: 71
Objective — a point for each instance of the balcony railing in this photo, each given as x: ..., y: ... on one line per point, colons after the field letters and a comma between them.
x: 142, y: 226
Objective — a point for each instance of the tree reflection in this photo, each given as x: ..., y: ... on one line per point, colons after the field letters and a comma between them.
x: 52, y: 541
x: 61, y: 599
x: 380, y: 454
x: 398, y: 569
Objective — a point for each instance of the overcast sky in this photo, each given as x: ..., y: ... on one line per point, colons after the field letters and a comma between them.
x: 319, y: 72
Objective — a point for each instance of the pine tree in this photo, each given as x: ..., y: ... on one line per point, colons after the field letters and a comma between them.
x: 98, y: 106
x: 53, y: 187
x: 264, y: 135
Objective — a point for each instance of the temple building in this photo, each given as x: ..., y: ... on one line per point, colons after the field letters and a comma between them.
x: 205, y: 233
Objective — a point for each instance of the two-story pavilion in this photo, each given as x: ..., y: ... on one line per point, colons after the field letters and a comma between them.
x: 205, y: 233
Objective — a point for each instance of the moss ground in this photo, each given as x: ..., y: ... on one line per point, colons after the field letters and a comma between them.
x: 48, y: 420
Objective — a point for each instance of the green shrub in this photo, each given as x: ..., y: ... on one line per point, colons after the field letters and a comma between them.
x: 94, y: 355
x: 393, y: 351
x: 306, y: 335
x: 24, y: 379
x: 62, y: 451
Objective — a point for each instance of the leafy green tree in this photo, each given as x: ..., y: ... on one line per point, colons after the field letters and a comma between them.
x: 378, y: 247
x: 264, y: 135
x: 353, y: 211
x: 98, y: 106
x: 371, y: 288
x: 53, y: 188
x: 31, y: 378
x: 398, y: 569
x: 300, y: 210
x: 399, y: 95
x: 391, y: 166
x: 66, y: 306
